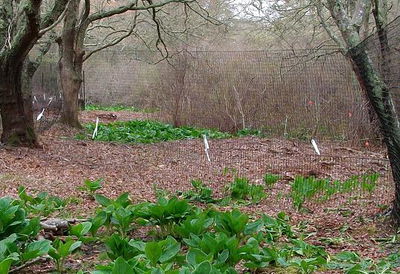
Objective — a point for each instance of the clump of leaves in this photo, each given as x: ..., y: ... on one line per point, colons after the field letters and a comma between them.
x: 117, y: 246
x: 231, y: 223
x: 117, y: 215
x: 249, y: 132
x: 17, y: 235
x: 271, y: 179
x: 146, y: 131
x: 200, y: 193
x: 242, y: 189
x: 195, y: 224
x: 90, y: 187
x: 61, y: 249
x: 351, y: 262
x: 167, y: 213
x: 306, y: 188
x: 43, y: 204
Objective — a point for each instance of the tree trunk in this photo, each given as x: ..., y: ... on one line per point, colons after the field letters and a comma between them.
x: 27, y: 74
x: 18, y: 128
x: 71, y: 84
x: 70, y: 64
x: 379, y: 96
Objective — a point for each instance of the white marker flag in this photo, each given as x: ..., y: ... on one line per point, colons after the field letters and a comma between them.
x: 40, y: 116
x: 96, y: 128
x: 206, y: 147
x: 314, y: 144
x: 50, y: 100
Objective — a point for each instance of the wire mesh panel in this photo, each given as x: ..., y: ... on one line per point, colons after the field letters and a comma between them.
x: 386, y: 58
x: 46, y: 94
x: 287, y: 93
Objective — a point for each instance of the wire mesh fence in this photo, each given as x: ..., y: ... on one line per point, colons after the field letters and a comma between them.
x: 292, y: 94
x: 47, y: 98
x: 283, y: 93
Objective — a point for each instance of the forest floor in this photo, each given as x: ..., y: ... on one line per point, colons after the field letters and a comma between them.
x: 63, y: 163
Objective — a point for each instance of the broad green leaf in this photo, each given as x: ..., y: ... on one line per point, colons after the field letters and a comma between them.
x: 102, y: 200
x: 153, y: 252
x: 170, y: 248
x: 204, y: 267
x: 5, y: 265
x: 81, y: 229
x: 122, y: 267
x: 36, y: 249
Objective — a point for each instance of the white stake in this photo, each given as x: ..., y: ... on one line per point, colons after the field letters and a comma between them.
x: 96, y: 128
x: 206, y: 147
x: 314, y: 144
x: 40, y: 116
x: 50, y: 100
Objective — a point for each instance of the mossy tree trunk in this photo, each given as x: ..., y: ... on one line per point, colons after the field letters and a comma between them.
x: 373, y: 82
x: 22, y: 23
x: 381, y: 101
x: 18, y: 127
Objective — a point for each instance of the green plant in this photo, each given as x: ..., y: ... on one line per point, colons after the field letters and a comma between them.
x: 146, y: 131
x: 167, y: 213
x: 90, y: 187
x: 241, y: 189
x: 163, y: 251
x: 12, y: 217
x: 201, y: 193
x: 196, y: 224
x: 270, y: 229
x: 61, y: 249
x: 118, y: 246
x: 118, y: 214
x: 249, y: 132
x: 81, y: 230
x: 305, y: 188
x: 43, y: 204
x: 122, y: 266
x: 271, y: 179
x: 221, y: 250
x: 231, y: 223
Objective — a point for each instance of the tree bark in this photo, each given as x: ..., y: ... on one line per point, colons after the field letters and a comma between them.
x: 71, y: 84
x: 378, y: 94
x: 18, y: 129
x: 70, y: 65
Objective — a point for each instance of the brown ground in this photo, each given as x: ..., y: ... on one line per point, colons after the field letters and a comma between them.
x: 63, y: 163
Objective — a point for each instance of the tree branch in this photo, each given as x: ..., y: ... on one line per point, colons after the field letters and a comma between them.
x: 52, y: 16
x: 132, y: 7
x: 114, y: 42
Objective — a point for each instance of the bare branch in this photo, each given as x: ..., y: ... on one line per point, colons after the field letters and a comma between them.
x: 132, y: 7
x: 115, y: 41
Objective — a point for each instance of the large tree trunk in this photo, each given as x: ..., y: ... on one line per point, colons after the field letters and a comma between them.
x: 379, y: 96
x: 70, y: 65
x: 71, y: 84
x: 18, y: 127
